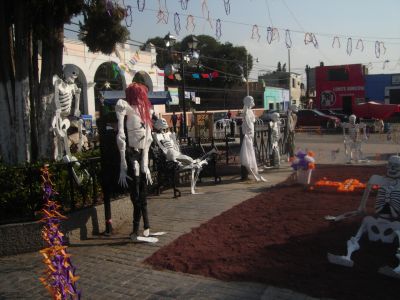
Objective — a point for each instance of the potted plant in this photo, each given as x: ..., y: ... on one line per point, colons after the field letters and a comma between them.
x: 303, y: 163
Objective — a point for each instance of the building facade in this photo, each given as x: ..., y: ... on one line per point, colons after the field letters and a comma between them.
x: 340, y: 87
x: 99, y: 72
x: 383, y: 88
x: 285, y: 80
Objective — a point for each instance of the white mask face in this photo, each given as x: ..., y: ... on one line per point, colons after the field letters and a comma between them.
x: 393, y: 167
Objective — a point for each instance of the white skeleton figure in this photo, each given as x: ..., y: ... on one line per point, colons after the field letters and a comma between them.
x: 247, y: 154
x: 167, y: 142
x: 275, y: 135
x: 65, y: 92
x: 353, y: 138
x: 138, y: 125
x: 385, y: 225
x: 139, y: 137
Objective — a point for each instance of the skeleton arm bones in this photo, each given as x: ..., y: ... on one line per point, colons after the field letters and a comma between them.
x: 121, y: 109
x: 374, y: 180
x: 145, y: 157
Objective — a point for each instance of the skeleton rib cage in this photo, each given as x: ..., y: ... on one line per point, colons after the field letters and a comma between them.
x: 388, y: 201
x: 66, y: 94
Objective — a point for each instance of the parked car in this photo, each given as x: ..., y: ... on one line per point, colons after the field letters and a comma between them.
x: 313, y: 117
x: 266, y: 115
x: 342, y: 116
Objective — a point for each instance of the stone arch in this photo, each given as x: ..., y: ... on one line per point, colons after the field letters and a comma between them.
x: 108, y: 76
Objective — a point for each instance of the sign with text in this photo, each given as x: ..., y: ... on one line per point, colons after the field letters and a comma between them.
x: 174, y: 93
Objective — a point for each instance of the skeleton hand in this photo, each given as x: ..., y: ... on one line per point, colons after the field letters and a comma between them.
x: 146, y: 170
x: 77, y: 113
x: 123, y: 174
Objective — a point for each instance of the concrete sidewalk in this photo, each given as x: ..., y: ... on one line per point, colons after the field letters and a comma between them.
x: 112, y: 268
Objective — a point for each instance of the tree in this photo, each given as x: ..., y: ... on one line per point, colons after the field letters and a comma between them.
x: 229, y: 60
x: 31, y: 48
x: 279, y: 68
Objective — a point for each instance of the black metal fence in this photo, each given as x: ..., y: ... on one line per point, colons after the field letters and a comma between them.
x: 79, y: 184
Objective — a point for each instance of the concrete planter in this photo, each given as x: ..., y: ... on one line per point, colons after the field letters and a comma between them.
x: 80, y: 225
x: 304, y: 176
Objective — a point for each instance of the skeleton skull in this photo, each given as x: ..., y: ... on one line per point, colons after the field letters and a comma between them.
x: 393, y: 168
x: 352, y: 119
x: 248, y: 101
x: 294, y: 108
x: 161, y: 124
x: 71, y: 72
x: 275, y: 117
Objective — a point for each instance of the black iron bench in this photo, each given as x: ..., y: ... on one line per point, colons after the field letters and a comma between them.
x: 168, y: 174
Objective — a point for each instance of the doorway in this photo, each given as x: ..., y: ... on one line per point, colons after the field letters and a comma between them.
x: 347, y: 104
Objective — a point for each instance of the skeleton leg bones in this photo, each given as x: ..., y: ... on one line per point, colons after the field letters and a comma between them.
x: 352, y: 246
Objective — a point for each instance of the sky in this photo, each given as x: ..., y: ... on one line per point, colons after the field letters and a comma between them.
x: 367, y: 31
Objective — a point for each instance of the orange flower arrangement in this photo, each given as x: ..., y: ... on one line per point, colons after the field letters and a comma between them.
x: 349, y: 185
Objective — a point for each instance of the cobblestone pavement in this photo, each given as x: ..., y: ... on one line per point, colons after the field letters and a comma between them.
x: 112, y: 268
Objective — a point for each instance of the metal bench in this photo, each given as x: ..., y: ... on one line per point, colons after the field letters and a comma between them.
x: 168, y: 174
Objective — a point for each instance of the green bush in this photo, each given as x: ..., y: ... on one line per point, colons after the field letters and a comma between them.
x: 21, y: 196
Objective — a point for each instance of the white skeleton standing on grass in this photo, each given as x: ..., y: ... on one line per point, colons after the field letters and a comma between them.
x: 385, y: 225
x: 353, y: 138
x: 167, y: 142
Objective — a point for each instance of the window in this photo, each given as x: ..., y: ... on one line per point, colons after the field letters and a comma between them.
x: 338, y: 74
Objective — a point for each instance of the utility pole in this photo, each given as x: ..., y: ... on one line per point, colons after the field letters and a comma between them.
x: 290, y: 79
x: 247, y: 74
x: 182, y: 94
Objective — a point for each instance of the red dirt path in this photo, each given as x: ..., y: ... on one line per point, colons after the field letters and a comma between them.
x: 280, y: 238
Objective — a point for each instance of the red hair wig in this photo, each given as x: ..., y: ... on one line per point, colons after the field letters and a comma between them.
x: 136, y: 95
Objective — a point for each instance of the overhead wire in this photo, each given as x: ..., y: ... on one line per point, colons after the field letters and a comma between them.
x: 371, y: 39
x: 257, y: 66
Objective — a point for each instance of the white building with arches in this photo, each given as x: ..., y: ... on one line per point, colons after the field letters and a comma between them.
x: 99, y: 72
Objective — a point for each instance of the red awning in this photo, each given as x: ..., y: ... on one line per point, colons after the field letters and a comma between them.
x: 375, y: 110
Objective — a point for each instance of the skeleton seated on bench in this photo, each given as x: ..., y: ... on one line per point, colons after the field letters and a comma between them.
x: 168, y: 144
x: 385, y: 224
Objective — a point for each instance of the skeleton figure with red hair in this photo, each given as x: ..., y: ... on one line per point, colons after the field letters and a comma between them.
x: 134, y: 169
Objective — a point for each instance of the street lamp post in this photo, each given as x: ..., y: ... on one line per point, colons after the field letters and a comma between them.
x: 170, y: 40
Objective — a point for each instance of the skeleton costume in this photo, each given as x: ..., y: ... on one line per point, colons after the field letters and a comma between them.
x: 169, y: 145
x: 355, y: 135
x: 291, y: 126
x: 66, y: 92
x: 275, y: 135
x: 134, y: 158
x: 247, y: 154
x: 384, y: 226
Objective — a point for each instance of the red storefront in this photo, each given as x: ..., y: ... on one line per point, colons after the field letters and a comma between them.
x: 340, y: 87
